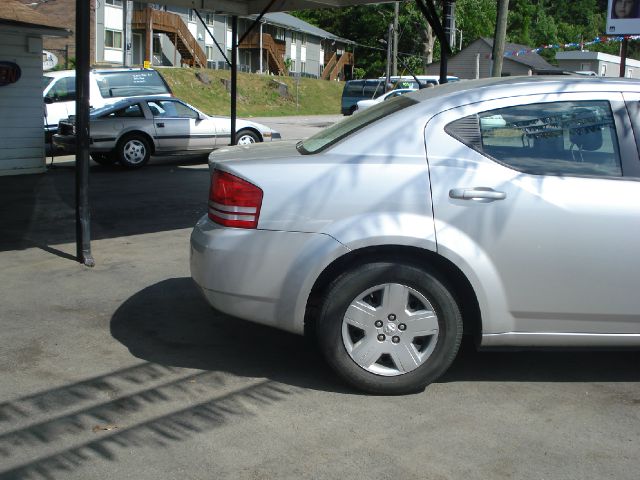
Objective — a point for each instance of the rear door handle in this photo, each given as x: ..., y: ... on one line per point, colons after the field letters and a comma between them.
x: 160, y: 124
x: 477, y: 193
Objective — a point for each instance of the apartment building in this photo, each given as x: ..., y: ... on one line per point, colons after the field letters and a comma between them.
x: 129, y: 32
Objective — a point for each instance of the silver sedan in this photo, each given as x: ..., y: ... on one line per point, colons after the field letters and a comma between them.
x: 505, y: 209
x: 132, y: 130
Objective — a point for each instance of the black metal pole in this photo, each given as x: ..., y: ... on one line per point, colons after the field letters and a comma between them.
x: 234, y: 76
x: 83, y: 217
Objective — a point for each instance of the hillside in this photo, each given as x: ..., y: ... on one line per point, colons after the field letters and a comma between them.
x: 258, y: 95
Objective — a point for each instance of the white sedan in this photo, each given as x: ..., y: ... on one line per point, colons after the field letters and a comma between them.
x: 132, y: 130
x: 364, y: 104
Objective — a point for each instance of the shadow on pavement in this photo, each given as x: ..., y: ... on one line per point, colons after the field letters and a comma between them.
x: 39, y: 210
x: 170, y: 324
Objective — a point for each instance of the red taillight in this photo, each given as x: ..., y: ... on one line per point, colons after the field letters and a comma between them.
x: 234, y: 202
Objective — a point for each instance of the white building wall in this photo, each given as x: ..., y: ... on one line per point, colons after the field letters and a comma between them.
x: 22, y: 143
x: 113, y: 21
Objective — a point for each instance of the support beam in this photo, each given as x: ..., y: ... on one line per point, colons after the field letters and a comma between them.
x: 83, y: 217
x: 234, y: 76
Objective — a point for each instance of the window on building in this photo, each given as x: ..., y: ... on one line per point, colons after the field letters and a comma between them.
x: 115, y: 3
x: 304, y: 38
x: 157, y: 45
x: 112, y: 39
x: 279, y: 33
x: 209, y: 18
x: 192, y: 15
x: 303, y: 67
x: 209, y: 52
x: 603, y: 70
x: 556, y: 138
x: 293, y: 66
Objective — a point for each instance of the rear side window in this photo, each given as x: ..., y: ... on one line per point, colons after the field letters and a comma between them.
x: 558, y: 138
x: 132, y: 111
x: 63, y: 90
x: 131, y: 83
x: 353, y: 89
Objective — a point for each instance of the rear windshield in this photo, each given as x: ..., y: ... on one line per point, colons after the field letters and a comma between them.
x: 131, y: 84
x: 327, y: 137
x: 363, y: 88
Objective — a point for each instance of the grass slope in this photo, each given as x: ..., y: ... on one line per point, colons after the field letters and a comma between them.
x: 257, y: 94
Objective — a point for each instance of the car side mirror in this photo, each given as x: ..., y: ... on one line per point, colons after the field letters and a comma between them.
x: 48, y: 100
x: 201, y: 116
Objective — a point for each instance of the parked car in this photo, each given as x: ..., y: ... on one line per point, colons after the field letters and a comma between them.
x: 409, y: 81
x: 364, y: 104
x: 132, y: 130
x: 355, y: 90
x: 395, y: 231
x: 106, y: 86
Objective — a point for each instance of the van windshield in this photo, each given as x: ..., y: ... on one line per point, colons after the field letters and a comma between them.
x: 327, y: 137
x: 131, y: 83
x: 46, y: 81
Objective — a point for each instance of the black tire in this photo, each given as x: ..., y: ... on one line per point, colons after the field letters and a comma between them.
x: 246, y: 137
x: 438, y: 350
x: 104, y: 159
x: 133, y: 151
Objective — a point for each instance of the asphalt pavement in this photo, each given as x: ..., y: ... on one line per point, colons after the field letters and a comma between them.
x: 123, y: 370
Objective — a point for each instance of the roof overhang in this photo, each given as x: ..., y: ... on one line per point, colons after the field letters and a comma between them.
x: 252, y: 7
x: 31, y: 29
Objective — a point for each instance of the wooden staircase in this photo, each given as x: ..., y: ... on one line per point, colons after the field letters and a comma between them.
x: 151, y: 20
x: 336, y: 64
x: 275, y: 51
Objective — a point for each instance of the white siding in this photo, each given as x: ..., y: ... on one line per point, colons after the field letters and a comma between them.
x: 22, y: 142
x: 112, y: 18
x: 112, y: 55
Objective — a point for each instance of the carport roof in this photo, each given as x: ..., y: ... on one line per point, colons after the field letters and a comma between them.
x: 15, y: 14
x: 252, y: 7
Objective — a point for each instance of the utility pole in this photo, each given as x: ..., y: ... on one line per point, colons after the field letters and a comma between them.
x: 449, y: 15
x: 499, y: 37
x: 396, y: 14
x: 623, y: 56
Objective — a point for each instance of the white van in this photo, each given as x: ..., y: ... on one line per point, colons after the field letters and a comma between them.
x: 105, y: 87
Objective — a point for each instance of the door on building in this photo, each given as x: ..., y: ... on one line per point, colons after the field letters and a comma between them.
x: 138, y: 49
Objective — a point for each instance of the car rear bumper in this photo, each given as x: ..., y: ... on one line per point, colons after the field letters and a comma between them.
x: 262, y: 276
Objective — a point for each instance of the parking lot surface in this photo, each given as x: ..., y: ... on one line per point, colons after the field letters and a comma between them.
x: 123, y: 371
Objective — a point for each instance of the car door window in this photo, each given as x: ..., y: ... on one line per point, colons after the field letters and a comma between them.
x: 171, y: 109
x: 556, y: 138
